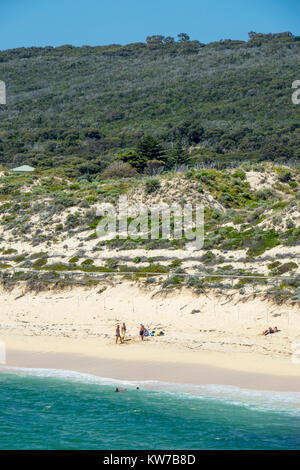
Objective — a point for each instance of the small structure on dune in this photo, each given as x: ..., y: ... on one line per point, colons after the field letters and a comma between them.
x: 23, y: 169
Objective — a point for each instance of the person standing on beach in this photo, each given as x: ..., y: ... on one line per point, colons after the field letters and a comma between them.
x: 123, y: 331
x: 118, y: 334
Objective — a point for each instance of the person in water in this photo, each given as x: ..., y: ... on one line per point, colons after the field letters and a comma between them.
x: 123, y: 331
x: 118, y: 334
x: 142, y: 332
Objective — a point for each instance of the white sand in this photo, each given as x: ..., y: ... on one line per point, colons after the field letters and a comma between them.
x: 223, y: 335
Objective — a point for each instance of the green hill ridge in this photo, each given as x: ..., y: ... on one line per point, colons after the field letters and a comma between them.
x: 77, y: 109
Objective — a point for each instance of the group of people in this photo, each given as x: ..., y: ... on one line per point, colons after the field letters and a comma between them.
x: 270, y: 331
x: 121, y: 332
x: 143, y: 332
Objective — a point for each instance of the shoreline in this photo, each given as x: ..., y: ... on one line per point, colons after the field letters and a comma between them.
x: 123, y: 363
x: 208, y: 339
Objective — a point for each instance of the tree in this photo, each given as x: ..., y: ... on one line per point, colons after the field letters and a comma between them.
x: 195, y: 135
x: 190, y: 131
x: 134, y: 159
x: 177, y: 156
x: 182, y: 37
x: 155, y: 40
x: 251, y: 35
x: 91, y: 133
x: 169, y: 40
x: 89, y: 168
x: 150, y: 148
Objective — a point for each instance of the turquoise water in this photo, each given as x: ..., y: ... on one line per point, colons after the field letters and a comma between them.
x: 43, y: 409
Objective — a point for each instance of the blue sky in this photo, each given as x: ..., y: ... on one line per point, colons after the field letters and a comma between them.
x: 25, y: 23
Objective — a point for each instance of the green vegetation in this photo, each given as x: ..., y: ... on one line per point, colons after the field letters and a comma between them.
x: 277, y: 269
x: 239, y: 216
x: 229, y: 190
x: 152, y: 185
x: 39, y: 263
x: 74, y: 111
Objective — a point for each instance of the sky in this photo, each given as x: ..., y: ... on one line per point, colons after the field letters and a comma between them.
x: 25, y: 23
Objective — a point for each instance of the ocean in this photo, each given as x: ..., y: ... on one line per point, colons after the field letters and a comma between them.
x: 52, y: 409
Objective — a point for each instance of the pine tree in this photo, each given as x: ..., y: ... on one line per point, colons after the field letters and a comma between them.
x: 177, y: 156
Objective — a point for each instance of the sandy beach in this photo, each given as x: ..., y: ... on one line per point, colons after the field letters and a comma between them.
x: 245, y: 371
x: 208, y: 339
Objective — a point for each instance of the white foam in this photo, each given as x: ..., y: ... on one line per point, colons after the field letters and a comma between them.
x: 262, y: 399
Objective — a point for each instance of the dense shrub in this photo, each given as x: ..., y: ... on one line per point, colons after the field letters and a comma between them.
x: 152, y: 185
x: 119, y: 170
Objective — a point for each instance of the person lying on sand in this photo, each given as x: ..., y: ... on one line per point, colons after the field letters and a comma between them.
x: 267, y: 332
x: 118, y: 334
x: 270, y: 331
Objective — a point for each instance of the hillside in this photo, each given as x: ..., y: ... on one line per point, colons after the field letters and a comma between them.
x: 77, y: 109
x: 251, y: 243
